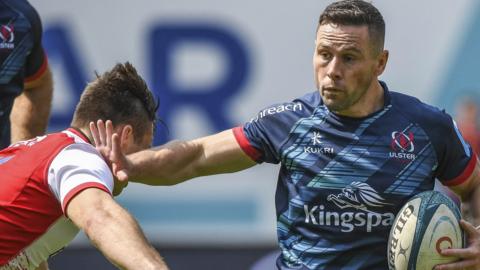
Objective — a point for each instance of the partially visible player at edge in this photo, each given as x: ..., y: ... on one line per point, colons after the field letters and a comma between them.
x: 351, y: 153
x: 26, y: 85
x: 56, y: 184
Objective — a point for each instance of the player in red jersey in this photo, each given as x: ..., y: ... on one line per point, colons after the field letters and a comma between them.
x: 54, y: 185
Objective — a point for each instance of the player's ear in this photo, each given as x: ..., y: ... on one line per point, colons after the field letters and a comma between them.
x: 126, y: 137
x: 382, y: 62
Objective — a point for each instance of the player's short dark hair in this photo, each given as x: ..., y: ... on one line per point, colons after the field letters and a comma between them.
x: 356, y: 12
x: 120, y: 95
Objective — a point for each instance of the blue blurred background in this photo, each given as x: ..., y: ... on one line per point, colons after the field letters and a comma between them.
x: 214, y: 64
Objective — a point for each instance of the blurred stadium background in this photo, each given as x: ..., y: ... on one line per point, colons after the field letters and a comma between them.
x: 214, y: 64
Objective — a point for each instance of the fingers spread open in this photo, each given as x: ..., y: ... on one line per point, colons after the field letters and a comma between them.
x: 109, y: 133
x: 102, y: 132
x: 116, y: 150
x: 95, y: 135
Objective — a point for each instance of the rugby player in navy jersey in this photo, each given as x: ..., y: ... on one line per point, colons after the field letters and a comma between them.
x: 351, y: 153
x: 26, y: 85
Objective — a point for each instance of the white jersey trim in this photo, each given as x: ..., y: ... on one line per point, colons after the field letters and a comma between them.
x: 76, y: 165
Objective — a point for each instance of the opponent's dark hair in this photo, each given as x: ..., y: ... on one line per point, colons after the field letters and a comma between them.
x: 120, y: 95
x: 358, y: 13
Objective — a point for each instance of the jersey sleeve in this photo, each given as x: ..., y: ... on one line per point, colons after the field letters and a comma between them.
x: 262, y: 137
x: 77, y: 167
x: 457, y: 159
x: 36, y: 62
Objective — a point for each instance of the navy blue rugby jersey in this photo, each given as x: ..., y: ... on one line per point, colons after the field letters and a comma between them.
x: 22, y: 58
x: 343, y: 180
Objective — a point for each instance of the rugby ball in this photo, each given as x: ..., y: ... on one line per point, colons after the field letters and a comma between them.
x: 426, y: 224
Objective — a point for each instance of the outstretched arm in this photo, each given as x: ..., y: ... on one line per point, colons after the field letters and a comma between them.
x: 178, y: 161
x: 175, y: 161
x: 31, y: 110
x: 113, y: 230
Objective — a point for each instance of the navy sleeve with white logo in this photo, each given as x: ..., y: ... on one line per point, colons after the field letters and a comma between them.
x: 22, y: 57
x: 36, y: 61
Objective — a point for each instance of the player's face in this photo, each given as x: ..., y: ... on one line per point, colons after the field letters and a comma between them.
x: 345, y: 66
x: 146, y: 142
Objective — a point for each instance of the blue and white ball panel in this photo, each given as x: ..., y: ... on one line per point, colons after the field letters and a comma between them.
x: 428, y: 223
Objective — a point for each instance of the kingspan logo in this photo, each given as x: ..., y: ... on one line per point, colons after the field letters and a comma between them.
x: 317, y: 147
x: 359, y: 196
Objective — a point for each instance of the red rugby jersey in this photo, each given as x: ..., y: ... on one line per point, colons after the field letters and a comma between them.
x: 39, y: 177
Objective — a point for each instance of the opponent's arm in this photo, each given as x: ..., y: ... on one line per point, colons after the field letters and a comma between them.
x: 31, y: 109
x: 178, y: 161
x: 173, y: 162
x: 113, y: 230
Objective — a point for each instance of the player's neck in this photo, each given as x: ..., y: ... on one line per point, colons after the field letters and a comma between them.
x: 85, y: 132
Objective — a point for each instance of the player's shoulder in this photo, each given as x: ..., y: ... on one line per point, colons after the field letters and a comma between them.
x: 74, y: 148
x: 21, y: 6
x: 311, y: 100
x: 293, y: 109
x: 65, y: 137
x: 419, y: 112
x: 53, y: 142
x: 26, y: 10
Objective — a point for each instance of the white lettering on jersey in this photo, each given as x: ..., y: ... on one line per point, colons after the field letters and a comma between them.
x: 278, y: 109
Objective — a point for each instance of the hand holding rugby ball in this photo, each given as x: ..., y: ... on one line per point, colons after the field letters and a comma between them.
x: 426, y: 224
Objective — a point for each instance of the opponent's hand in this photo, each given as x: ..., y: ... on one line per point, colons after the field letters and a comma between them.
x: 108, y: 144
x: 470, y: 256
